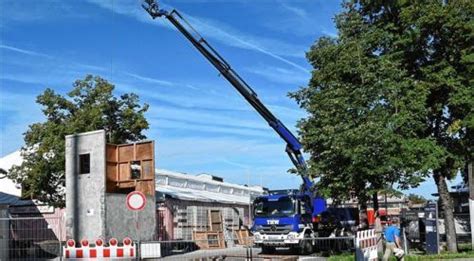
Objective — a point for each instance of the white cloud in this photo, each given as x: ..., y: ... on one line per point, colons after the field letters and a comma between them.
x: 150, y: 80
x: 304, y: 19
x: 24, y: 51
x: 40, y: 68
x: 301, y: 13
x: 281, y: 75
x: 194, y: 99
x: 202, y: 128
x: 218, y: 31
x: 207, y: 128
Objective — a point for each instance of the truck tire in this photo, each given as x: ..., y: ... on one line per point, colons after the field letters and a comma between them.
x: 306, y: 245
x: 268, y: 249
x: 295, y: 249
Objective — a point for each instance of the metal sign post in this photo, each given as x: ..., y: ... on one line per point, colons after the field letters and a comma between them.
x: 432, y: 232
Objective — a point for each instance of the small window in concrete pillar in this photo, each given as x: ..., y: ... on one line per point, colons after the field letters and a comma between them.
x: 84, y: 163
x: 135, y: 169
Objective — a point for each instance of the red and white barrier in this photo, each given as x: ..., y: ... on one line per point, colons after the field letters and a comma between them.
x: 366, y: 245
x: 126, y: 250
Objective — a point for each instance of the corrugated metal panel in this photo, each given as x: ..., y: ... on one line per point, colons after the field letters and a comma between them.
x: 164, y: 222
x: 211, y: 184
x: 203, y: 196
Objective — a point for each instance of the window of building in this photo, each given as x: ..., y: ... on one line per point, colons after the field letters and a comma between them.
x: 84, y: 163
x: 135, y: 169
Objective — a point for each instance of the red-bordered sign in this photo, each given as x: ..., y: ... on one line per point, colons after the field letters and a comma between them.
x: 136, y: 200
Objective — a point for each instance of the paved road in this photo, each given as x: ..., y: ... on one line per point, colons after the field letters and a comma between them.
x: 240, y: 253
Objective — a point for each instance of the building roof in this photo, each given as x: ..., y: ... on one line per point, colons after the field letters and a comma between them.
x: 203, y: 188
x: 12, y: 200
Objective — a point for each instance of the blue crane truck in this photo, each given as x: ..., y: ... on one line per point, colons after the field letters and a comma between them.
x: 285, y: 218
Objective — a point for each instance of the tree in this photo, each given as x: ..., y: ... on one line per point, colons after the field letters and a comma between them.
x: 416, y: 199
x: 391, y: 99
x: 90, y: 105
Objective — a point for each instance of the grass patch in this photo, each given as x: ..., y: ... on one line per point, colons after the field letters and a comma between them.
x: 342, y: 257
x: 465, y: 247
x: 467, y: 254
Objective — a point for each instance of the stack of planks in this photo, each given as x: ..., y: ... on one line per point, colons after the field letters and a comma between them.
x: 213, y: 238
x: 243, y: 237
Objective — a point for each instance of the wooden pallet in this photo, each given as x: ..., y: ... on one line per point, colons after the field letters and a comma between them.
x: 215, y: 220
x: 209, y: 239
x: 243, y: 237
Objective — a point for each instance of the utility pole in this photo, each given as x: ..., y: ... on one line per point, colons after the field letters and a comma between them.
x: 470, y: 176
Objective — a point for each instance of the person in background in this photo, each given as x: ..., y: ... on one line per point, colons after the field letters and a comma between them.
x: 378, y: 232
x: 364, y: 222
x: 392, y: 239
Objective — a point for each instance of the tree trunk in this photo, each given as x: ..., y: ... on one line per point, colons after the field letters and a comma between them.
x: 447, y: 206
x: 375, y: 200
x: 363, y: 215
x: 378, y: 224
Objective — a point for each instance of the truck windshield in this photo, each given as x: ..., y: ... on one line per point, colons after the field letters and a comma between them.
x: 282, y: 207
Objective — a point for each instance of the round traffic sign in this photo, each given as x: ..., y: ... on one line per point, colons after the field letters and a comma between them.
x: 136, y: 200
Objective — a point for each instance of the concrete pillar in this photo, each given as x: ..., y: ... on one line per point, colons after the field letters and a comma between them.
x: 71, y: 185
x: 85, y: 191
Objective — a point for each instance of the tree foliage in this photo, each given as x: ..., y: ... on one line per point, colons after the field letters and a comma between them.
x: 391, y: 98
x: 416, y: 199
x: 90, y: 105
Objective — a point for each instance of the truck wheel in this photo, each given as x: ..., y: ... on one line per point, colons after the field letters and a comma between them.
x: 268, y: 250
x: 306, y: 245
x: 295, y: 250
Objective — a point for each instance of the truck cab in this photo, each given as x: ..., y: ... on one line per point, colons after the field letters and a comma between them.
x: 284, y: 219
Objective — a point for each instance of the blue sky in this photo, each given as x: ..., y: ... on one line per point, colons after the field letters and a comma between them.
x: 199, y: 122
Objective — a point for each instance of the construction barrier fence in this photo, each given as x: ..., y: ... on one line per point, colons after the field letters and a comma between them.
x: 231, y: 248
x: 366, y: 245
x: 29, y: 238
x: 43, y: 238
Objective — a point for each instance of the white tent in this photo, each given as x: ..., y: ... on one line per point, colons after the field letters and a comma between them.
x: 7, y: 185
x: 204, y: 188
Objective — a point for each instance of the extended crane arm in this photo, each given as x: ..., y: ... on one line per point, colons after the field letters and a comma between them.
x: 293, y: 147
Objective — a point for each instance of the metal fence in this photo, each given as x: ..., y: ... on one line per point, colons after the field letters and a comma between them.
x: 334, y: 245
x: 43, y: 238
x: 232, y: 250
x: 30, y: 238
x: 190, y: 250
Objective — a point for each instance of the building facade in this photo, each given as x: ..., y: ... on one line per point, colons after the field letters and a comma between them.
x: 184, y: 203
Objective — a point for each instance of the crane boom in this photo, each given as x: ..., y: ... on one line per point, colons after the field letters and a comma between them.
x: 293, y: 148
